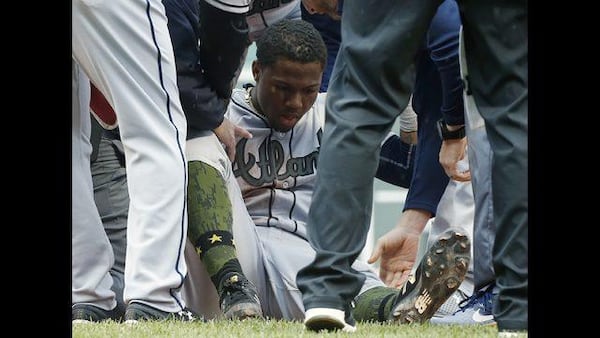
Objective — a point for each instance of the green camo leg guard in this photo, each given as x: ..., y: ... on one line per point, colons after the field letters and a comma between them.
x: 210, y: 216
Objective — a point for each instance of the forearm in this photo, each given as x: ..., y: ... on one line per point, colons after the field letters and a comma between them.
x: 414, y: 220
x: 429, y: 179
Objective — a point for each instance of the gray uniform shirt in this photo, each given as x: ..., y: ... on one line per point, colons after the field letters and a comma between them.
x: 276, y: 170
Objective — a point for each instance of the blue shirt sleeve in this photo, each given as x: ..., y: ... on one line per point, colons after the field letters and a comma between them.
x: 330, y: 31
x: 443, y: 46
x: 203, y: 109
x: 437, y: 93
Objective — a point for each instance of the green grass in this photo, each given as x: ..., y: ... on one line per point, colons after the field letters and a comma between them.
x: 269, y: 328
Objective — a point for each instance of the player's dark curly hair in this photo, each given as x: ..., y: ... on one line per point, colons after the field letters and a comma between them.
x: 295, y: 40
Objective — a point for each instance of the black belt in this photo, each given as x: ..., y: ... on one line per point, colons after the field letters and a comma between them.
x: 263, y: 5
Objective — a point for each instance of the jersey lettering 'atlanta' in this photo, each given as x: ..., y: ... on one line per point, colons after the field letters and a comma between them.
x: 276, y: 171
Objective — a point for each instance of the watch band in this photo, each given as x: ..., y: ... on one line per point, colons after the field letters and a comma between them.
x: 446, y: 134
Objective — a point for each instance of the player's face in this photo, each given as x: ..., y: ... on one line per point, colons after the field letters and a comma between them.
x: 286, y: 90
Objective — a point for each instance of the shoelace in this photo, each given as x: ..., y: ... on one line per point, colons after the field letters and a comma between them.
x: 242, y: 285
x: 480, y: 297
x: 463, y: 295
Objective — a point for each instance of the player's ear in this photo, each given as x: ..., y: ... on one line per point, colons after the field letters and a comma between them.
x: 256, y: 70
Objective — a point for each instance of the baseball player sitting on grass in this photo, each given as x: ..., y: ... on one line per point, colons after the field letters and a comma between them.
x: 276, y: 172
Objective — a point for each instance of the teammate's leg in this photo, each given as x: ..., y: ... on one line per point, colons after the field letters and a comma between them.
x: 484, y: 227
x: 92, y: 255
x: 112, y: 199
x: 355, y: 126
x: 135, y: 71
x: 478, y: 309
x: 499, y: 82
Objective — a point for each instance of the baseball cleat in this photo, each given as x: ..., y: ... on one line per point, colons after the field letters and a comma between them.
x: 475, y: 310
x: 451, y: 305
x: 320, y: 318
x: 87, y: 313
x: 439, y: 274
x: 141, y: 312
x: 239, y: 298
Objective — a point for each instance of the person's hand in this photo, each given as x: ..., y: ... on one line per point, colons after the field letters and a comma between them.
x: 398, y: 251
x: 398, y: 248
x: 227, y: 132
x: 451, y: 152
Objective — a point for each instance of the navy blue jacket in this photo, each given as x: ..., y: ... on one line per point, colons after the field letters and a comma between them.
x: 204, y: 83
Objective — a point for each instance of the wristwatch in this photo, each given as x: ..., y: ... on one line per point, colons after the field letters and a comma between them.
x: 446, y: 134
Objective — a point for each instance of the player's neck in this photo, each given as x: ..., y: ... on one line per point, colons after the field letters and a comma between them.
x: 254, y: 103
